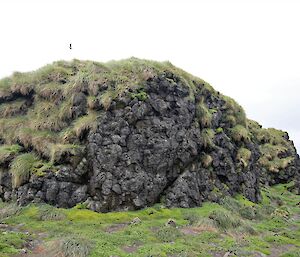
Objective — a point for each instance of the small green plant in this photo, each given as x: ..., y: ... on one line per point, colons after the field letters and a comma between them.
x: 141, y: 96
x: 219, y: 130
x: 81, y: 206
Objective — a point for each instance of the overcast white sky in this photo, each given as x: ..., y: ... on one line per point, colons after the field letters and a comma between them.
x: 249, y: 50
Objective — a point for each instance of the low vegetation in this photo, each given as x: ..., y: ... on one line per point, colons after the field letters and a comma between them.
x: 235, y: 225
x: 21, y: 169
x: 244, y: 155
x: 275, y: 150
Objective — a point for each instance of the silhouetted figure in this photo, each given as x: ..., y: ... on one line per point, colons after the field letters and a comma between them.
x: 70, y: 46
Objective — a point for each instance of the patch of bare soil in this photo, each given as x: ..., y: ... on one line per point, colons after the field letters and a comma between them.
x: 43, y: 250
x: 197, y: 230
x: 280, y: 249
x: 33, y: 247
x: 116, y: 227
x: 132, y: 248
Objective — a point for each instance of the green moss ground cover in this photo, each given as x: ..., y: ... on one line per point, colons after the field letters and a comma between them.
x: 235, y: 225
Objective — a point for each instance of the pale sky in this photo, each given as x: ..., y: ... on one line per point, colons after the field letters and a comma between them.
x: 249, y: 50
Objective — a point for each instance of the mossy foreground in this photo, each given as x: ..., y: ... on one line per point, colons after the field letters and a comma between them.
x: 237, y: 225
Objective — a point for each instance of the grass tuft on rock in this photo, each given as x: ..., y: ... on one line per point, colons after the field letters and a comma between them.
x: 21, y: 169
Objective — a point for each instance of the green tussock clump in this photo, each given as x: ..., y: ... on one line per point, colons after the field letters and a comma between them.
x: 24, y: 165
x: 60, y: 152
x: 71, y: 247
x: 243, y: 155
x: 207, y: 136
x: 21, y: 168
x: 9, y: 210
x: 12, y: 108
x: 206, y: 160
x: 48, y: 213
x: 276, y: 151
x: 7, y: 152
x: 84, y: 124
x: 39, y: 140
x: 225, y: 219
x: 239, y: 133
x: 235, y: 114
x: 270, y: 158
x: 204, y: 115
x: 168, y: 234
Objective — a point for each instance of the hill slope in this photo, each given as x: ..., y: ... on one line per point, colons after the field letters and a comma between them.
x: 128, y: 134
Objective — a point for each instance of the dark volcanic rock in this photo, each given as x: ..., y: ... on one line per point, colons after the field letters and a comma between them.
x: 165, y: 141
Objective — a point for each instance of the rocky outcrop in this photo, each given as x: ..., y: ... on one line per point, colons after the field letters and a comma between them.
x: 166, y: 139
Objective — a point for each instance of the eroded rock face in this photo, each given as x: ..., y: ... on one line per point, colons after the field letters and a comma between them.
x: 148, y: 150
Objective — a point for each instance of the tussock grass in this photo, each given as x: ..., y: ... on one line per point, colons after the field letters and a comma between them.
x: 225, y: 219
x: 106, y: 99
x: 208, y: 136
x: 7, y: 152
x: 203, y: 114
x: 243, y: 155
x: 168, y: 234
x: 235, y: 110
x: 60, y: 153
x: 21, y: 169
x: 51, y: 91
x: 239, y: 133
x: 39, y: 140
x: 9, y: 128
x: 75, y: 247
x: 93, y: 103
x: 10, y: 209
x: 84, y: 124
x: 5, y: 87
x: 24, y: 165
x: 50, y: 213
x: 276, y: 152
x: 12, y: 108
x: 206, y: 160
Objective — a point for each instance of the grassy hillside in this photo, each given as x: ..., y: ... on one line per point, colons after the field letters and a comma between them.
x: 238, y: 226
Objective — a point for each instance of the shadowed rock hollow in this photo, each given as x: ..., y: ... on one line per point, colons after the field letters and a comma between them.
x: 128, y: 134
